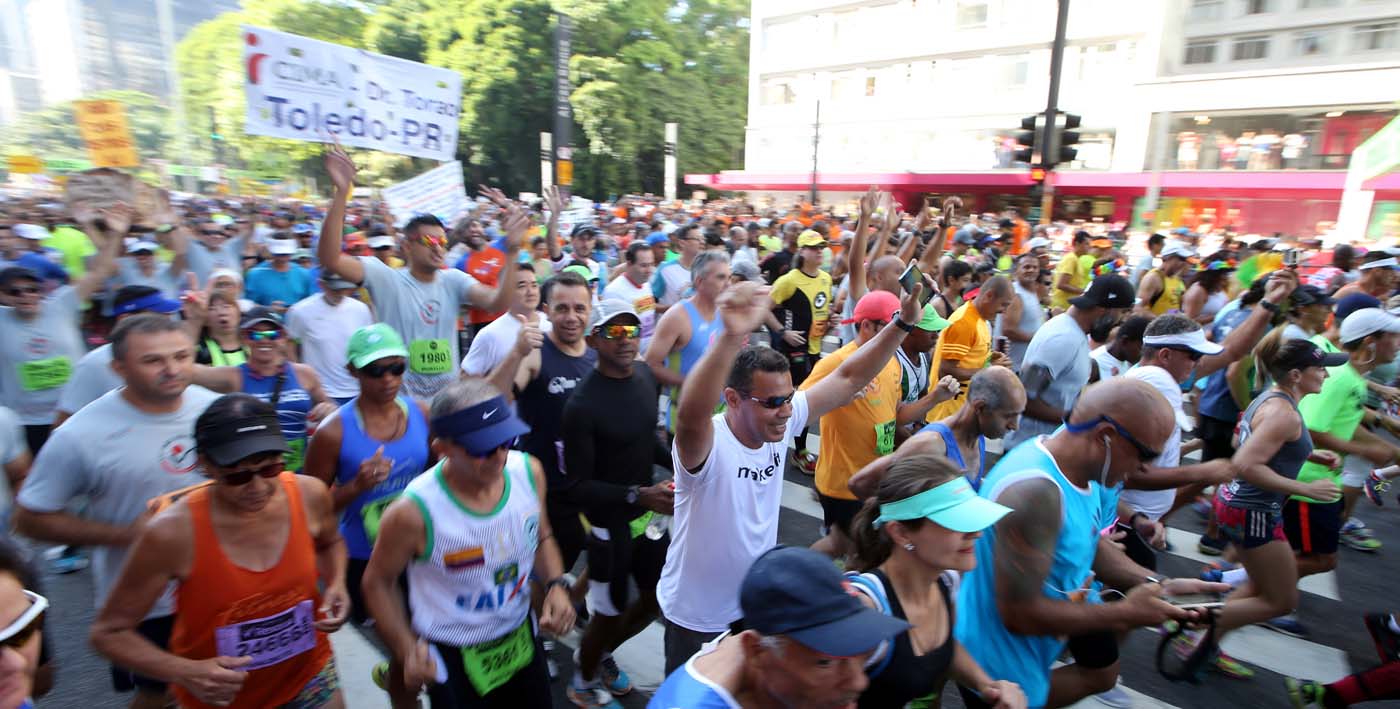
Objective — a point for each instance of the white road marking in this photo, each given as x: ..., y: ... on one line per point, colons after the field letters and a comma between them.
x: 1184, y: 545
x: 355, y: 658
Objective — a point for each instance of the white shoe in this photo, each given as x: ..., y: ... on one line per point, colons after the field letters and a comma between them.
x: 1117, y: 698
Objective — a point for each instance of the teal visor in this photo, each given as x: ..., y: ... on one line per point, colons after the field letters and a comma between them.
x: 953, y: 505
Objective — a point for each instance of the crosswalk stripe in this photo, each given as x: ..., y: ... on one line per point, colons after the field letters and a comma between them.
x: 1184, y: 545
x: 355, y: 659
x: 801, y: 499
x: 641, y: 656
x: 1286, y: 655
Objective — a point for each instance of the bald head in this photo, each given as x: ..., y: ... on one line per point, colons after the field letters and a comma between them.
x: 1133, y: 403
x: 885, y: 264
x: 995, y: 295
x: 998, y: 388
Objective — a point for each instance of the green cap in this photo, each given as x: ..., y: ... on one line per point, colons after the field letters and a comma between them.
x: 582, y: 272
x: 373, y: 342
x: 932, y: 321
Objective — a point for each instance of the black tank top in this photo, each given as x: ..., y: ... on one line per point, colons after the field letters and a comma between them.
x: 541, y: 404
x: 907, y: 676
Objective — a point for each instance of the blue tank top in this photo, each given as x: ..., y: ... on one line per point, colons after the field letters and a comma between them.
x: 954, y: 453
x: 1216, y: 401
x: 359, y: 522
x: 702, y: 332
x: 293, y: 404
x: 1026, y: 659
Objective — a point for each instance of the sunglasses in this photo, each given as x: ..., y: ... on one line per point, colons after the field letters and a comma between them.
x: 375, y: 371
x: 22, y: 290
x: 243, y: 477
x: 264, y: 335
x: 1145, y: 454
x: 431, y: 241
x: 618, y: 332
x: 772, y: 402
x: 29, y: 622
x: 1194, y: 355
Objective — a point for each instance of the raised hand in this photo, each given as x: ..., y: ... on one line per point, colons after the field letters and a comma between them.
x: 868, y: 201
x: 554, y: 201
x: 529, y: 338
x: 516, y: 224
x: 339, y: 166
x: 118, y: 218
x: 743, y: 307
x: 496, y: 196
x: 910, y: 309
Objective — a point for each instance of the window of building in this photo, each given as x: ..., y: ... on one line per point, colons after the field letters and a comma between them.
x: 1206, y: 10
x: 971, y: 14
x: 1250, y: 48
x: 1201, y: 51
x: 1312, y: 4
x: 779, y: 92
x: 1375, y: 36
x: 1312, y: 43
x: 1258, y: 7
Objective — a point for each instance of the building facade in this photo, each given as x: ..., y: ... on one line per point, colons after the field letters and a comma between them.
x: 1269, y: 97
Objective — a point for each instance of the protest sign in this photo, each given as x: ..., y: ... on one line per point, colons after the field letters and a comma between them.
x: 439, y: 192
x: 91, y: 191
x: 305, y: 89
x: 103, y: 127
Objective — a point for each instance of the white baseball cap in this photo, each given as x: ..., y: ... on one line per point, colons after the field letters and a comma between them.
x: 1177, y: 249
x: 30, y: 231
x: 380, y: 242
x: 1038, y: 242
x: 282, y: 247
x: 1390, y: 262
x: 137, y: 247
x: 1368, y: 321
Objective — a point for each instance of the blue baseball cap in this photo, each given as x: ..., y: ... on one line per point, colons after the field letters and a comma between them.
x: 797, y: 592
x: 657, y: 238
x: 482, y: 428
x: 142, y: 299
x: 1354, y: 302
x: 303, y: 228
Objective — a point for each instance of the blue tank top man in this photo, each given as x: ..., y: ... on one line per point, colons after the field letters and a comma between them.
x: 953, y: 453
x: 359, y: 522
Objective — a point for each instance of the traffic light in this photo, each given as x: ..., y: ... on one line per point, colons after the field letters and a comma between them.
x: 1026, y: 139
x: 1038, y: 174
x: 1065, y: 139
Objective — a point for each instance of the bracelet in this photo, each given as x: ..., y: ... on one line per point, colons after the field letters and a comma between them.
x: 1271, y: 307
x: 557, y: 581
x: 907, y: 327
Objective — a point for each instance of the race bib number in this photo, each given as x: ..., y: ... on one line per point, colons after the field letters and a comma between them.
x: 49, y: 373
x: 269, y: 640
x: 492, y: 663
x: 372, y: 512
x: 430, y: 356
x: 884, y: 438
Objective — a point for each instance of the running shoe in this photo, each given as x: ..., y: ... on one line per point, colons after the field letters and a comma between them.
x: 1117, y: 697
x: 1303, y: 692
x: 1375, y: 487
x: 1230, y: 667
x: 806, y: 463
x: 1211, y: 546
x: 379, y: 674
x: 66, y: 559
x: 1360, y: 538
x: 1386, y: 640
x: 613, y: 677
x: 590, y: 695
x: 1288, y: 625
x: 1215, y: 571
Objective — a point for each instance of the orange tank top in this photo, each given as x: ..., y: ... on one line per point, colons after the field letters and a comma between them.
x: 224, y: 609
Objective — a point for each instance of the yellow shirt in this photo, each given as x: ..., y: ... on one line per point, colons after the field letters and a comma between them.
x: 857, y: 433
x: 1078, y: 278
x: 967, y: 342
x: 1170, y: 298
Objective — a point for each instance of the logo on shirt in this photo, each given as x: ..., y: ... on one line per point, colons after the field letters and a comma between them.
x: 759, y: 475
x: 37, y: 346
x: 429, y: 312
x: 178, y: 456
x: 819, y: 302
x: 560, y: 385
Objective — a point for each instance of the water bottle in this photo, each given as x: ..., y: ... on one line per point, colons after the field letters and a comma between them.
x: 657, y: 526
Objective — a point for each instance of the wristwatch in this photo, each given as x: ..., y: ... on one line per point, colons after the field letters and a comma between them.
x: 1271, y: 307
x: 907, y: 327
x: 560, y: 581
x: 634, y: 493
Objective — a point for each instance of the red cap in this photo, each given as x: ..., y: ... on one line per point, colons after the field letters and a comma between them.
x: 880, y: 305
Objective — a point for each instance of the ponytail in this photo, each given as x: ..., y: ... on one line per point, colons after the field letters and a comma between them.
x: 907, y: 477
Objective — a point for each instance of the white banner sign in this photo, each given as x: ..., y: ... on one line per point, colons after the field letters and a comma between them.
x: 305, y: 89
x: 439, y: 192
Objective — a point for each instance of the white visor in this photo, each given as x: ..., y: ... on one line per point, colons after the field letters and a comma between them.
x: 1194, y: 340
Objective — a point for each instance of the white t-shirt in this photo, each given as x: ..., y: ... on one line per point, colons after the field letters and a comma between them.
x: 642, y: 300
x: 425, y: 316
x: 324, y: 332
x: 92, y: 378
x: 670, y: 283
x: 726, y: 516
x: 1155, y: 503
x: 12, y: 446
x: 493, y: 342
x: 1109, y: 366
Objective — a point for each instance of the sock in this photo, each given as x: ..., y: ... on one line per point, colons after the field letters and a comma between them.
x: 1394, y: 627
x: 1388, y: 472
x: 1235, y: 577
x: 1353, y: 523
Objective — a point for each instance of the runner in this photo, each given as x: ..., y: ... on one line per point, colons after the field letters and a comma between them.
x: 482, y: 261
x: 421, y: 301
x: 1273, y: 444
x: 213, y: 249
x: 806, y: 641
x: 22, y: 611
x: 915, y: 357
x: 698, y: 588
x: 140, y: 267
x: 320, y: 327
x: 610, y: 448
x: 673, y: 277
x: 292, y: 388
x: 1161, y: 288
x: 954, y: 279
x: 1155, y: 243
x: 1071, y: 278
x: 495, y: 340
x: 965, y: 346
x: 246, y: 555
x: 470, y: 533
x: 1024, y: 315
x: 278, y: 283
x: 1378, y: 276
x: 995, y: 402
x: 94, y: 376
x: 912, y: 540
x: 213, y: 317
x: 633, y: 285
x: 1022, y: 605
x: 683, y: 334
x: 1123, y: 350
x: 118, y: 452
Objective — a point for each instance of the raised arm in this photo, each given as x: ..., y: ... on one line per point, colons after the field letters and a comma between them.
x: 855, y: 259
x: 498, y: 299
x: 1243, y: 338
x: 555, y: 203
x: 342, y: 172
x: 866, y: 362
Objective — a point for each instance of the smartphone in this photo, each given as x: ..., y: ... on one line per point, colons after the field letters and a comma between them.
x: 1290, y: 259
x: 1002, y: 344
x: 1196, y: 601
x: 911, y: 275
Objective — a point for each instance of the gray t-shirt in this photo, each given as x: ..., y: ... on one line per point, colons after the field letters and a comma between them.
x: 1062, y: 348
x: 162, y: 279
x: 425, y: 316
x: 119, y: 458
x: 202, y: 260
x: 92, y: 378
x: 37, y: 356
x: 12, y: 446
